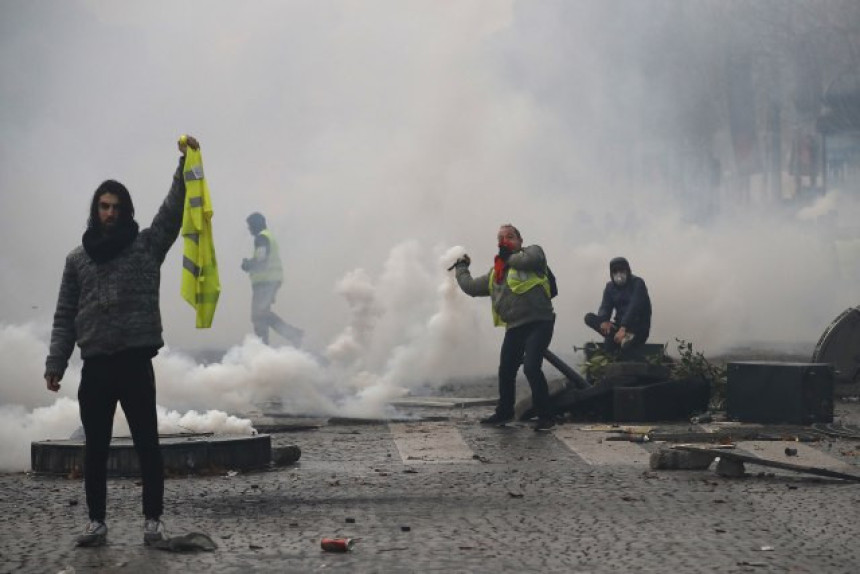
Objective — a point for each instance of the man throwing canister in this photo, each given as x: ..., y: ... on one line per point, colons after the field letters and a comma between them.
x: 520, y: 295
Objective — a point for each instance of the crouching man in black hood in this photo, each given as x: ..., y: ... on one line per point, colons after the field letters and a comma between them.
x: 626, y: 295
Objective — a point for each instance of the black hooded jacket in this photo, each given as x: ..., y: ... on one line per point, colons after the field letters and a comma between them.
x: 631, y: 302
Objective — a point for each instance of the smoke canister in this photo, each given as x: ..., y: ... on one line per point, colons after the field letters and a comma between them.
x: 336, y: 544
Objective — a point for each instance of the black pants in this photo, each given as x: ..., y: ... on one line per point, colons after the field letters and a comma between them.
x: 632, y: 352
x: 525, y: 345
x: 126, y: 377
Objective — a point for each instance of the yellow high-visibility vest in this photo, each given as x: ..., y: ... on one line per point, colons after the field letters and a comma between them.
x: 200, y: 284
x: 519, y: 282
x: 272, y: 272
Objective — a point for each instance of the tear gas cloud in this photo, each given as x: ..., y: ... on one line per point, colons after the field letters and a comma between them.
x: 381, y: 139
x: 352, y: 378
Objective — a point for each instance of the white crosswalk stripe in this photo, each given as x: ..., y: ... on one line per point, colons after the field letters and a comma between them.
x: 442, y: 443
x: 435, y: 442
x: 593, y: 448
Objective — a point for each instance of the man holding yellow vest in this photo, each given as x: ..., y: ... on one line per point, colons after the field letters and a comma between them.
x: 266, y: 274
x: 519, y: 288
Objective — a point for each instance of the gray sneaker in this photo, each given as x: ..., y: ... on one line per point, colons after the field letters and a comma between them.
x: 95, y: 534
x: 153, y: 531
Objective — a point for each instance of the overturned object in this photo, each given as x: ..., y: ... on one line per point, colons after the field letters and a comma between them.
x: 626, y: 391
x: 662, y: 401
x: 838, y: 346
x: 731, y: 463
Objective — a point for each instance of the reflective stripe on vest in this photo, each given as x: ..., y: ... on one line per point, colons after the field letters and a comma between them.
x: 519, y: 282
x: 272, y: 272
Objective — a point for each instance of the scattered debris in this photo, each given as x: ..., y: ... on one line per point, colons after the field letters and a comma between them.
x: 191, y: 542
x: 286, y: 455
x: 337, y: 544
x: 671, y: 459
x: 732, y: 463
x: 630, y: 438
x: 730, y: 467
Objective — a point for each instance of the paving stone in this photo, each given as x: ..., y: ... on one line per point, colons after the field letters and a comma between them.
x: 572, y: 516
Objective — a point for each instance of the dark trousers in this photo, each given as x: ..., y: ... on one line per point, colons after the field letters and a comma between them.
x: 128, y: 378
x: 525, y: 345
x: 632, y: 352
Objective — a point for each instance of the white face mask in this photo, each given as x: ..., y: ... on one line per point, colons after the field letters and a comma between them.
x: 619, y: 278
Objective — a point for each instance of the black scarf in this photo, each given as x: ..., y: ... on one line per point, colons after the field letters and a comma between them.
x: 103, y: 247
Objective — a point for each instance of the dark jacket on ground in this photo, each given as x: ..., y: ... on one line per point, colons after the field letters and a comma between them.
x: 113, y: 306
x: 631, y: 304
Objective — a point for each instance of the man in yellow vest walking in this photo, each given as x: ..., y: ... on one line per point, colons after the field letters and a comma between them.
x: 266, y: 274
x: 519, y: 288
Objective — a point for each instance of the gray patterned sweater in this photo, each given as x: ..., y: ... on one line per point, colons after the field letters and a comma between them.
x: 113, y: 306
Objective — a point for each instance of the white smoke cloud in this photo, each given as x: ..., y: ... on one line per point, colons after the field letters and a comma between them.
x: 373, y: 136
x: 412, y: 321
x: 19, y: 427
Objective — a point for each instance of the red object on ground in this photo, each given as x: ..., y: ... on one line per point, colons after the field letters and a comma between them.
x: 336, y: 544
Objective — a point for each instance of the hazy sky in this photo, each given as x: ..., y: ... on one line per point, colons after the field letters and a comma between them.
x: 355, y: 127
x: 377, y: 136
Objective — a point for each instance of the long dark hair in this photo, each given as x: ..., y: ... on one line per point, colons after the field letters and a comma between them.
x: 126, y: 207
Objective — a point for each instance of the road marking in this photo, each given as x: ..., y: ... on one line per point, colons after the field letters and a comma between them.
x: 442, y: 402
x: 722, y: 426
x: 806, y: 455
x: 435, y: 443
x: 594, y: 449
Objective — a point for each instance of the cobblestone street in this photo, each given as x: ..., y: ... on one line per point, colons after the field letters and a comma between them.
x: 453, y: 496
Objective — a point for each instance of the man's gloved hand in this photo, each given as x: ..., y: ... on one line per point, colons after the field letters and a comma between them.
x: 463, y: 261
x: 504, y: 251
x: 246, y: 264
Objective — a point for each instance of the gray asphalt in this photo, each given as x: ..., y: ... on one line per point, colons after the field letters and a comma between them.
x: 521, y: 502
